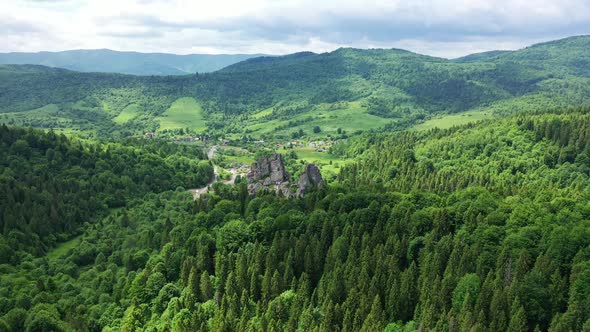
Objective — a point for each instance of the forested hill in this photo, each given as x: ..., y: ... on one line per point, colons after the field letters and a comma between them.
x: 136, y: 63
x: 524, y: 154
x: 395, y: 87
x: 565, y: 56
x: 483, y: 227
x: 51, y: 185
x: 396, y: 81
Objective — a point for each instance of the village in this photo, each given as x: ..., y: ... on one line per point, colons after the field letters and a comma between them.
x: 206, y: 140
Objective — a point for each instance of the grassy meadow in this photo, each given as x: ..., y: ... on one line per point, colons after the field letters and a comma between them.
x: 183, y: 113
x: 450, y: 120
x: 128, y: 114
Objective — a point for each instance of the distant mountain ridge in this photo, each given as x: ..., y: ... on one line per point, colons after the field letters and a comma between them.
x: 569, y: 56
x: 134, y: 63
x: 483, y: 56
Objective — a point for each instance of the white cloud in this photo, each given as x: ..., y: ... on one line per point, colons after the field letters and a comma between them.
x: 438, y: 27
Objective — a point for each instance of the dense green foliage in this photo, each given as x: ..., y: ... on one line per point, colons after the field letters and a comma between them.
x: 479, y: 228
x: 52, y: 185
x: 392, y: 88
x: 523, y: 154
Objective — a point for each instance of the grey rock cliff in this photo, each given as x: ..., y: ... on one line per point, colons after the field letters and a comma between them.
x: 269, y: 174
x: 309, y: 179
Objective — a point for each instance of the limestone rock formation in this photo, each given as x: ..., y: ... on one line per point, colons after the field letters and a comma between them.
x: 269, y: 174
x: 309, y: 179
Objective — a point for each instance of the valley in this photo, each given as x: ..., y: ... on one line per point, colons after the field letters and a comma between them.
x: 348, y: 89
x: 352, y: 190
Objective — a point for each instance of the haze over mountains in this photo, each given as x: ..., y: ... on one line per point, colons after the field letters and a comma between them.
x: 135, y: 63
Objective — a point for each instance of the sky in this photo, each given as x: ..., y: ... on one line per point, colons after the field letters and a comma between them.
x: 445, y: 28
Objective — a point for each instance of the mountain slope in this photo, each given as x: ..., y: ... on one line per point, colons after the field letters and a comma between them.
x: 569, y: 56
x: 483, y: 56
x: 52, y: 184
x: 135, y: 63
x: 566, y: 56
x: 268, y: 96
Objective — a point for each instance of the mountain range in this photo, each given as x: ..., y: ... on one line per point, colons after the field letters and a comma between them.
x: 350, y: 89
x: 135, y: 63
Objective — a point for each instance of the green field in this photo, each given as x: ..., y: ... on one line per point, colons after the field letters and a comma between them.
x: 408, y: 86
x: 63, y: 248
x: 128, y: 113
x: 183, y: 113
x: 230, y: 156
x: 239, y: 160
x: 350, y: 118
x: 328, y: 163
x: 261, y: 113
x: 448, y: 121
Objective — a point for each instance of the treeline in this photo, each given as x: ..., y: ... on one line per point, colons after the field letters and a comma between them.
x: 52, y: 185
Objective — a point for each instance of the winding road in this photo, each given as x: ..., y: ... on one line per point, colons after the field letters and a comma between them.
x: 200, y: 191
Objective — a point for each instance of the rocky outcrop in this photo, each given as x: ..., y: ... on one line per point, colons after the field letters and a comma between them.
x: 269, y: 174
x: 310, y: 178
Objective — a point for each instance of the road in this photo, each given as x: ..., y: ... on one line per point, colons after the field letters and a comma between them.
x: 201, y: 191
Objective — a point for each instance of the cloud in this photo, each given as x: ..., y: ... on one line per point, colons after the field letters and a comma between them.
x: 438, y: 27
x: 10, y: 25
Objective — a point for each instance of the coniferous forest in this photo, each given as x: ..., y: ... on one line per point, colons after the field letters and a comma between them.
x: 483, y: 227
x: 478, y: 226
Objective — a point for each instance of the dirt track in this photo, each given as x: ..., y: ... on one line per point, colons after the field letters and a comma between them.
x: 200, y: 191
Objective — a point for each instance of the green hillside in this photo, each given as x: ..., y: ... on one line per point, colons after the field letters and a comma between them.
x: 564, y: 56
x: 391, y: 89
x: 483, y: 56
x: 567, y: 56
x: 52, y: 185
